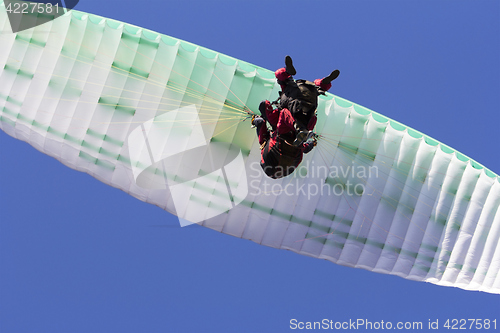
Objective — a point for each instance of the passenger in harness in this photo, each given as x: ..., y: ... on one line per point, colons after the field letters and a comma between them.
x: 292, y: 121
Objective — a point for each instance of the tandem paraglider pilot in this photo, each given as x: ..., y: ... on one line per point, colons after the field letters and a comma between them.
x: 292, y: 118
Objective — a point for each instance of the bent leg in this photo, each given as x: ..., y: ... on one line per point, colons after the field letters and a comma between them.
x: 322, y: 85
x: 287, y: 72
x: 326, y: 83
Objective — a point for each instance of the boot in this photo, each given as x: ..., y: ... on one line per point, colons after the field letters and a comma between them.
x: 333, y: 75
x: 289, y: 66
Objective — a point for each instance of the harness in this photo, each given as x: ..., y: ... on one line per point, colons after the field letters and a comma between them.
x: 301, y: 98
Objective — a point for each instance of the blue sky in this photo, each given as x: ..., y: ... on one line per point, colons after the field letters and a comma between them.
x: 79, y: 256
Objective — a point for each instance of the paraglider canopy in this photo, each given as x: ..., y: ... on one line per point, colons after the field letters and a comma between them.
x: 165, y: 121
